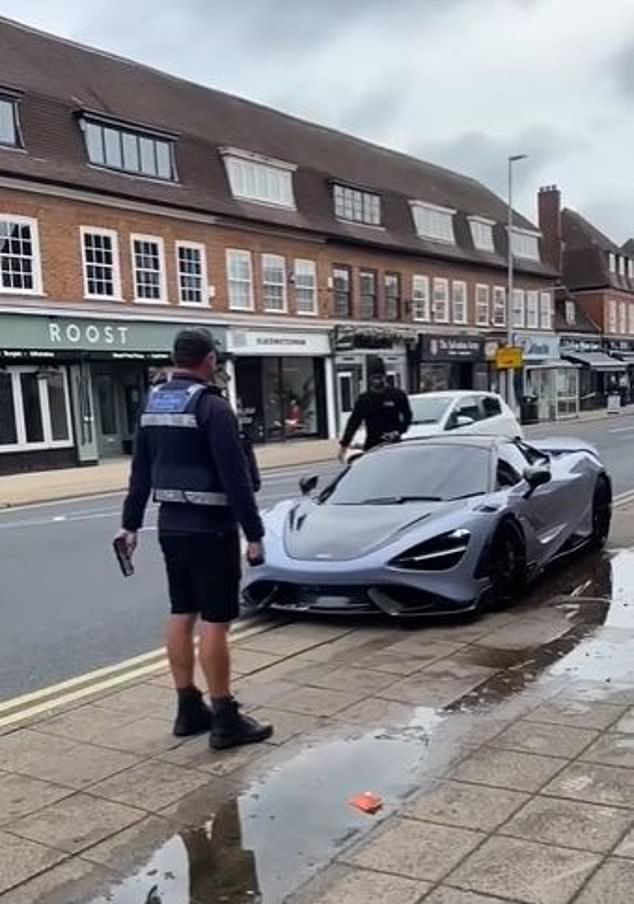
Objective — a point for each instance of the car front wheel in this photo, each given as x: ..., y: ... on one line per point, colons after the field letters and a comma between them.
x: 507, y: 563
x: 601, y: 513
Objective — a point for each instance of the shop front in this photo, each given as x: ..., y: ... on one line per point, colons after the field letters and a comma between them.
x: 622, y: 350
x: 282, y: 386
x: 452, y: 362
x: 71, y: 387
x: 356, y: 349
x: 547, y: 377
x: 600, y: 374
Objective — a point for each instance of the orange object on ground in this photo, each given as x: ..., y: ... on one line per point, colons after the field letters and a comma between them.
x: 368, y: 803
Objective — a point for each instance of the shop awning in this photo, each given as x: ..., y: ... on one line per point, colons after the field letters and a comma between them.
x: 597, y: 361
x: 626, y: 357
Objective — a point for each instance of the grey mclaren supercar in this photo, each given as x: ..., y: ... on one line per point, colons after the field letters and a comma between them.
x: 435, y: 526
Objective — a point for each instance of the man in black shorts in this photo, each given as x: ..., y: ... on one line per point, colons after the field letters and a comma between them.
x: 188, y: 451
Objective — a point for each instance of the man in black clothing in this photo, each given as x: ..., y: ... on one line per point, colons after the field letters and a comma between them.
x: 383, y: 409
x: 188, y: 451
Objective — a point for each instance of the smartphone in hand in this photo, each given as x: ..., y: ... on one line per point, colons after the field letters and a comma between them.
x: 123, y: 557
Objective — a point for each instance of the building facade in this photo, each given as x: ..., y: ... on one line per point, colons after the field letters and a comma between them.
x: 304, y: 250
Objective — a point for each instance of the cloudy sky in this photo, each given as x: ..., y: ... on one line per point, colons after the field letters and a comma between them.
x: 463, y: 83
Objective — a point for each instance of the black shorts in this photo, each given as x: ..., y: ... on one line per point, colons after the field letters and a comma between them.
x: 203, y: 574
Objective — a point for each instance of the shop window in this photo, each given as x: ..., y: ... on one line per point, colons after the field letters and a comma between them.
x: 420, y: 298
x: 519, y: 312
x: 34, y: 409
x: 441, y: 300
x: 612, y: 316
x: 274, y: 283
x: 459, y: 302
x: 149, y: 269
x: 262, y: 180
x: 240, y: 280
x: 367, y: 295
x: 9, y: 132
x: 622, y: 318
x: 392, y: 296
x: 101, y: 263
x: 290, y: 404
x: 19, y: 256
x: 483, y: 313
x: 499, y: 306
x: 357, y: 206
x: 342, y: 285
x: 192, y: 273
x: 305, y: 287
x: 532, y: 310
x: 130, y: 151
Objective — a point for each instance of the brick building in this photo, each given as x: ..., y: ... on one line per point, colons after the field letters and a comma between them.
x: 597, y: 331
x: 132, y: 203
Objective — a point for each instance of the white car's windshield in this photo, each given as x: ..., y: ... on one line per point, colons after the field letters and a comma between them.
x: 429, y: 410
x: 434, y: 472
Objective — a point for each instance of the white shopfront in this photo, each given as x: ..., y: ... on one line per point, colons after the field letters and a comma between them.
x: 281, y: 383
x: 547, y: 376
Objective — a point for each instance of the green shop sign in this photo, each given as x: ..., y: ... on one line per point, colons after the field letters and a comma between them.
x: 115, y: 338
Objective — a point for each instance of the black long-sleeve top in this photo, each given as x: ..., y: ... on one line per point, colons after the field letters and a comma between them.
x: 385, y: 411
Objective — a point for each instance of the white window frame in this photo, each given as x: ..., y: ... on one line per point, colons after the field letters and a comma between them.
x: 38, y: 288
x: 518, y: 309
x: 613, y: 316
x: 482, y: 228
x: 621, y: 265
x: 532, y: 309
x: 113, y: 235
x: 246, y: 255
x: 462, y: 306
x: 421, y: 302
x: 237, y: 162
x: 443, y: 214
x: 438, y: 283
x: 16, y: 389
x: 278, y: 258
x: 622, y: 318
x: 204, y: 279
x: 631, y: 318
x: 312, y: 266
x: 612, y: 261
x: 499, y: 295
x: 482, y: 303
x: 521, y: 251
x: 630, y: 268
x: 137, y: 237
x: 353, y: 199
x: 546, y: 310
x: 570, y: 312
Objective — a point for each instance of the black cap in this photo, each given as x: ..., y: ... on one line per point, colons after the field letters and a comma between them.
x: 192, y: 346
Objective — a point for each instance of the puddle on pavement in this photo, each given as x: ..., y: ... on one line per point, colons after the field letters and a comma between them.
x: 272, y: 836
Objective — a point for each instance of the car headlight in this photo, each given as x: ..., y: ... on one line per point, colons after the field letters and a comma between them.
x: 438, y: 554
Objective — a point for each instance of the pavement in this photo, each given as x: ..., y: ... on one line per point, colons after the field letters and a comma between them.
x: 502, y: 750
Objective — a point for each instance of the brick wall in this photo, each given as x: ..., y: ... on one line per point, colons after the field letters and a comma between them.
x: 59, y: 220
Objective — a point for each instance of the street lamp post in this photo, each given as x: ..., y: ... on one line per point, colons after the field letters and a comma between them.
x: 510, y: 385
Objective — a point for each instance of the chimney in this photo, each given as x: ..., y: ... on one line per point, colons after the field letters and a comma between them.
x: 549, y: 206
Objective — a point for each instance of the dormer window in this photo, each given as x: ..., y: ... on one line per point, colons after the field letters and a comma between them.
x: 612, y: 262
x: 432, y: 222
x: 9, y: 132
x: 260, y: 179
x: 482, y: 233
x: 128, y: 150
x: 571, y: 313
x: 525, y: 244
x: 621, y: 266
x: 357, y: 206
x: 630, y: 268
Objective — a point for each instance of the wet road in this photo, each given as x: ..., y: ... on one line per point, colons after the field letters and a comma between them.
x: 64, y: 610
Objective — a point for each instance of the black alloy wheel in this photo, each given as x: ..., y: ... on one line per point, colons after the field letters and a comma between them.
x: 507, y: 563
x: 601, y: 513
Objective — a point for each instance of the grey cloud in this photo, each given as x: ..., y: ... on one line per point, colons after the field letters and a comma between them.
x: 621, y: 67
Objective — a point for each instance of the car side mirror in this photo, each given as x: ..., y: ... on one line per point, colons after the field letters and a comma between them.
x: 308, y: 484
x: 535, y: 477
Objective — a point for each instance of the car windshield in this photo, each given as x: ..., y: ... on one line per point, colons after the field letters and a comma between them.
x: 428, y: 409
x: 401, y: 474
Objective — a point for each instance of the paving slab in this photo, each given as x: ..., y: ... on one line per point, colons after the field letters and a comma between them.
x: 465, y: 806
x: 417, y: 850
x: 126, y: 851
x: 20, y: 860
x: 577, y: 713
x: 72, y: 882
x: 20, y: 795
x: 445, y: 895
x: 341, y: 884
x: 595, y: 784
x: 626, y: 722
x: 550, y: 740
x: 75, y: 823
x: 149, y: 786
x: 569, y: 823
x: 507, y: 769
x: 343, y: 678
x: 313, y: 701
x: 525, y: 871
x: 612, y: 884
x: 612, y: 749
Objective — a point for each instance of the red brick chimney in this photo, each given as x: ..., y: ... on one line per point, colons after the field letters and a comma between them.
x: 549, y: 206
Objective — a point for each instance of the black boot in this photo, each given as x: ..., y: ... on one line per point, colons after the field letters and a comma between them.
x: 194, y: 716
x: 229, y: 728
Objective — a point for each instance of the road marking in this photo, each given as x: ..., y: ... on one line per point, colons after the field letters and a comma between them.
x: 621, y: 430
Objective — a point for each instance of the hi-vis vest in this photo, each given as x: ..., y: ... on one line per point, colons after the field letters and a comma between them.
x: 182, y: 466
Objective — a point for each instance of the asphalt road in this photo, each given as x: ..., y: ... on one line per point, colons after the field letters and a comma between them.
x: 65, y: 610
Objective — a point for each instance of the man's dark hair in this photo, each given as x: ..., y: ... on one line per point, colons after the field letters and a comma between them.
x: 376, y: 367
x: 191, y: 347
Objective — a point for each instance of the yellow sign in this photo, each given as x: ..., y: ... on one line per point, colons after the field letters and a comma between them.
x: 509, y: 358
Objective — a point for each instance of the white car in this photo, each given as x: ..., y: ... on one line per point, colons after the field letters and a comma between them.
x: 458, y: 411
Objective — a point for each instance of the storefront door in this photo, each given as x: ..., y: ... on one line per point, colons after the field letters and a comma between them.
x: 109, y: 428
